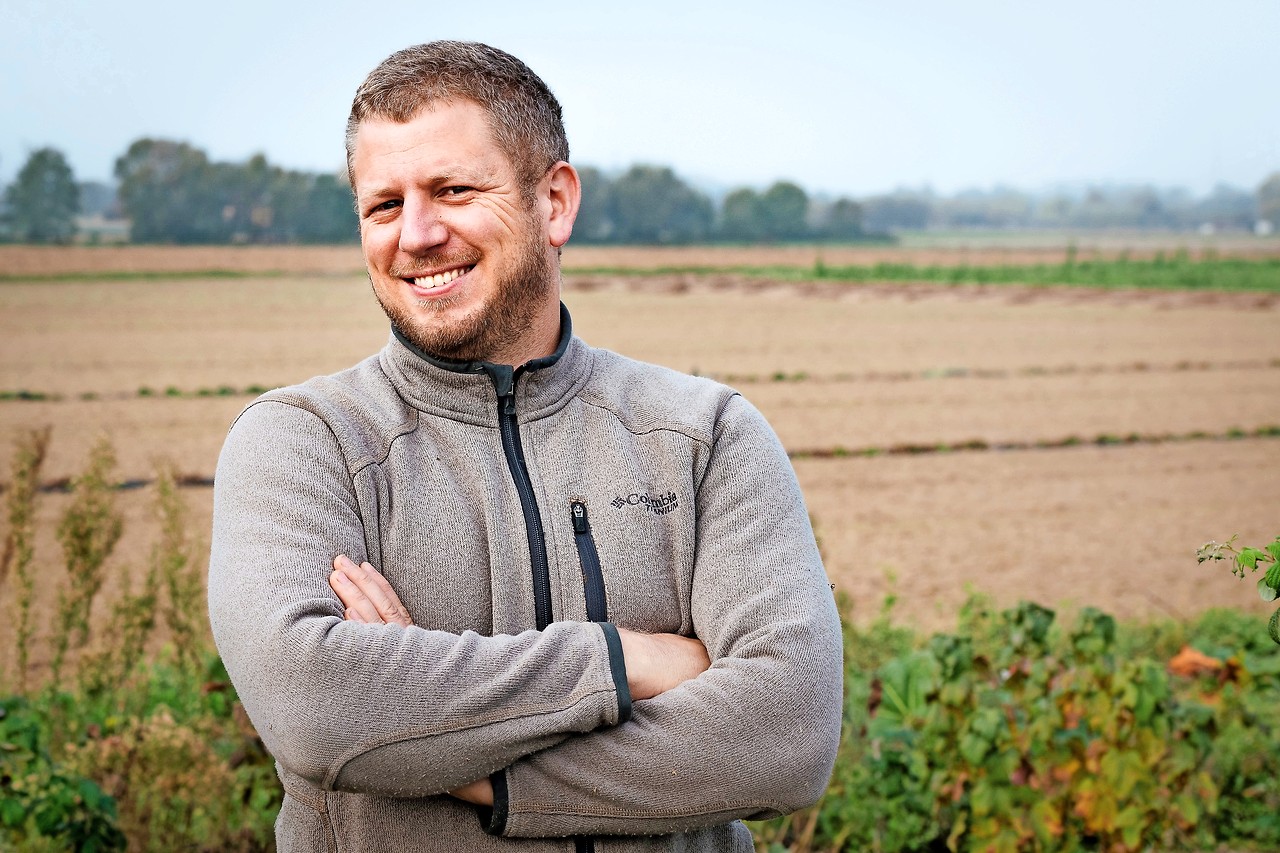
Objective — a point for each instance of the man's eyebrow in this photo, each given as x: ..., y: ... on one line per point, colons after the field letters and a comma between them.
x: 466, y: 176
x: 463, y: 175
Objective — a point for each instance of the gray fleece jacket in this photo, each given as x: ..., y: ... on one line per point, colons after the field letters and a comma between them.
x: 520, y: 515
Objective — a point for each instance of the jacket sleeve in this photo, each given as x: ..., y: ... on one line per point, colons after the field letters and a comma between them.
x: 755, y: 736
x: 375, y: 709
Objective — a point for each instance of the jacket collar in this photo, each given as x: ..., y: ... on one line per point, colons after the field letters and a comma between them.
x: 470, y: 390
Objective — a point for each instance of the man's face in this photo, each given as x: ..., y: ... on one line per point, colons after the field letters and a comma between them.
x: 459, y: 258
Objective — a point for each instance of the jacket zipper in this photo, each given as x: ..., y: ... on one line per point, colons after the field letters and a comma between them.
x: 592, y: 576
x: 505, y: 383
x: 597, y: 603
x: 509, y: 428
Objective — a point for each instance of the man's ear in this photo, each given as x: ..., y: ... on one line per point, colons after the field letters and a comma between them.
x: 564, y: 189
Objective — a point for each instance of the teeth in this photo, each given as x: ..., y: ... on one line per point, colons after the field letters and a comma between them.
x: 440, y: 278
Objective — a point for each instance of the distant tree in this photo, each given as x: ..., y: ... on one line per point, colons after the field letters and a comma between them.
x: 974, y: 208
x: 595, y: 223
x: 43, y: 200
x: 246, y: 192
x: 328, y: 214
x: 652, y: 205
x: 172, y: 193
x: 1148, y: 208
x: 895, y: 212
x: 784, y: 210
x: 1228, y: 207
x: 741, y: 217
x: 1268, y: 200
x: 169, y: 192
x: 843, y: 221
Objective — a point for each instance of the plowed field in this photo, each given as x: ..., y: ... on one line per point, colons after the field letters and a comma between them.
x: 1150, y: 392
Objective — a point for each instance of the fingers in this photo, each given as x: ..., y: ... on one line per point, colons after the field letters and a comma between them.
x: 366, y: 595
x: 479, y: 792
x: 657, y: 663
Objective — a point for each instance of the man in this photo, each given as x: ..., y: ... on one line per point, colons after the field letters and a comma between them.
x: 583, y: 605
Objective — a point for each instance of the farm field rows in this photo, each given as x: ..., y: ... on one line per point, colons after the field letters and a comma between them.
x: 847, y: 366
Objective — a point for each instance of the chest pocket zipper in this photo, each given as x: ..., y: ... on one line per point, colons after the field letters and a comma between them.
x: 592, y: 576
x: 597, y: 602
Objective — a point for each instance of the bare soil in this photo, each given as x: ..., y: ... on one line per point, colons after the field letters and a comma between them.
x: 1114, y: 527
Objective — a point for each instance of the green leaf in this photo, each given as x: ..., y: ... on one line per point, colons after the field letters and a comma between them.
x: 1273, y: 627
x: 1274, y: 550
x: 973, y: 748
x: 12, y: 811
x: 1272, y: 576
x: 1249, y: 557
x: 1266, y: 591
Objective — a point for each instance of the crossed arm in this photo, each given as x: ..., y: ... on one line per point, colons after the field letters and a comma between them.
x: 655, y: 662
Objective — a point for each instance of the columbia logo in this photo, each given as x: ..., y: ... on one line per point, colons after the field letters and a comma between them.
x: 659, y: 504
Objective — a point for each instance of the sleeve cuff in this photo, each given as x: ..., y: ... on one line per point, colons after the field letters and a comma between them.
x: 494, y: 820
x: 617, y: 669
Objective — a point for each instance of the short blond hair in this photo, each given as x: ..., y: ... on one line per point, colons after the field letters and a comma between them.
x: 524, y: 116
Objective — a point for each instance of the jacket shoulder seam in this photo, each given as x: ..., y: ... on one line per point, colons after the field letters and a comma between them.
x: 365, y: 458
x: 662, y: 425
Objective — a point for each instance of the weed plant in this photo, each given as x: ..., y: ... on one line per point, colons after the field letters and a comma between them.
x: 88, y: 534
x: 19, y: 543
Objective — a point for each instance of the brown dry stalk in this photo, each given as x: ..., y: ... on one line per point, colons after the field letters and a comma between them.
x: 171, y: 560
x: 88, y: 533
x: 29, y: 453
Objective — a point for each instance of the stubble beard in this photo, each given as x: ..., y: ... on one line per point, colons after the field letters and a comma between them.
x: 496, y: 325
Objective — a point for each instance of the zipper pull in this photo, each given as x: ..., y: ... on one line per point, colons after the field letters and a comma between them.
x: 504, y: 382
x: 580, y: 523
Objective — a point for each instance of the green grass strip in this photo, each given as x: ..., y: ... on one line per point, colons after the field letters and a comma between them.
x: 27, y: 396
x: 1162, y: 273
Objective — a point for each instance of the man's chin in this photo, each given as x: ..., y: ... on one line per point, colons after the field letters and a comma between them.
x: 453, y: 344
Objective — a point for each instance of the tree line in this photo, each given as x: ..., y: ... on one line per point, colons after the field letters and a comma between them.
x: 172, y: 192
x: 1137, y: 207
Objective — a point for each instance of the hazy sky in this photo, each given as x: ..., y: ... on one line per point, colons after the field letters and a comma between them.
x: 842, y: 97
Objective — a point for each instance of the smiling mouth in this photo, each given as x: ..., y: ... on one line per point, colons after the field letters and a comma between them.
x: 440, y: 278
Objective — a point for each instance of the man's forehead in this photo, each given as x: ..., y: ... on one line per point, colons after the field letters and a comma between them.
x: 465, y: 140
x: 435, y: 105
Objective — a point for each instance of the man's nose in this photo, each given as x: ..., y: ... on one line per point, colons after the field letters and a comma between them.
x: 421, y: 228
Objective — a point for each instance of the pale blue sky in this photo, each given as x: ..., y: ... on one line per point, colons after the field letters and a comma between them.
x: 846, y: 97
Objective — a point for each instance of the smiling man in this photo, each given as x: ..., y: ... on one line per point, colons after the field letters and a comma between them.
x: 495, y: 589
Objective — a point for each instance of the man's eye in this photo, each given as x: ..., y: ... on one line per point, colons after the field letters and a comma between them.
x: 458, y: 190
x: 387, y: 205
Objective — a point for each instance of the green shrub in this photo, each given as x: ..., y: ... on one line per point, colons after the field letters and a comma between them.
x: 43, y: 805
x: 1015, y: 734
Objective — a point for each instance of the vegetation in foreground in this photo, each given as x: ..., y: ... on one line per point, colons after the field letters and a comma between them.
x: 1010, y: 733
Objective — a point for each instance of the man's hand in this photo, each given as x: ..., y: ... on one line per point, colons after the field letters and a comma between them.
x: 479, y: 792
x: 366, y: 595
x: 658, y: 662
